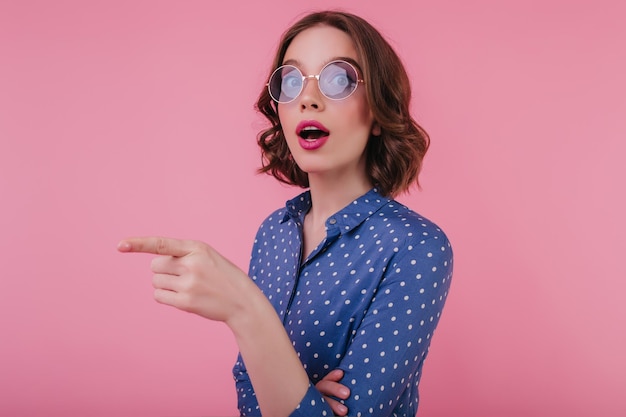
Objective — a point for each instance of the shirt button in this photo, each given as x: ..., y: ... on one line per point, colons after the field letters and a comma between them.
x: 332, y: 221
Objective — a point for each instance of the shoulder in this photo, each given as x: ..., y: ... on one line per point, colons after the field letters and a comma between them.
x: 271, y: 226
x: 409, y: 226
x: 423, y: 257
x: 275, y: 217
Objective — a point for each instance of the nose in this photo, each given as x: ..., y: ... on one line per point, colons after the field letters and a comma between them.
x: 311, y: 96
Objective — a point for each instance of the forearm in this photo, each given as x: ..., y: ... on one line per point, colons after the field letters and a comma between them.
x: 279, y: 380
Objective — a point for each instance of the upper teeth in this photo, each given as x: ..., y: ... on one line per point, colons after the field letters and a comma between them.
x: 310, y: 128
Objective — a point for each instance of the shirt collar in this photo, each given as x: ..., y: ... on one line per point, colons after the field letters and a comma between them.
x: 297, y: 207
x: 345, y: 219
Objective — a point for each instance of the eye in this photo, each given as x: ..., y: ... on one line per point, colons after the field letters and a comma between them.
x: 291, y: 82
x: 338, y: 80
x: 335, y: 81
x: 285, y: 83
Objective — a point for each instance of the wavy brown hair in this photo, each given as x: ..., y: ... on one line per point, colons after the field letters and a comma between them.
x: 393, y: 159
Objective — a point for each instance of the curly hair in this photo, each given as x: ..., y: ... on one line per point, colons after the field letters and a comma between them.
x: 393, y: 158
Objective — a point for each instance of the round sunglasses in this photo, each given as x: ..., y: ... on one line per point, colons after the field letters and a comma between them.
x: 336, y: 81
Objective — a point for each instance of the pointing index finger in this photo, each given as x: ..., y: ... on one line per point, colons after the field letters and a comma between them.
x: 157, y: 246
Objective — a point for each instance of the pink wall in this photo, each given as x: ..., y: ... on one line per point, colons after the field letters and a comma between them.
x: 135, y: 117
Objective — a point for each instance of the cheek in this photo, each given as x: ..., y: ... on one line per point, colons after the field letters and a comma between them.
x: 363, y: 118
x: 363, y: 113
x: 284, y: 112
x: 280, y: 112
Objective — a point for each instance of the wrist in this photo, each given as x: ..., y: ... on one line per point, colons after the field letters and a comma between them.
x: 251, y: 311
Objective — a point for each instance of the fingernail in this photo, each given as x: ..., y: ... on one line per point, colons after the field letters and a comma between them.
x: 123, y: 246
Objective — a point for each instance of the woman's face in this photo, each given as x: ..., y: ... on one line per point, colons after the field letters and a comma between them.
x: 327, y: 138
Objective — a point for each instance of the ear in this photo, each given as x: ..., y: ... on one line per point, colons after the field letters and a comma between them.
x: 376, y: 131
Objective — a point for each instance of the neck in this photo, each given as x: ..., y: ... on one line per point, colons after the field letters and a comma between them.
x: 329, y: 195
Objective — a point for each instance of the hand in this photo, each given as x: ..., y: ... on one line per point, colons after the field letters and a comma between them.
x: 329, y: 386
x: 192, y: 276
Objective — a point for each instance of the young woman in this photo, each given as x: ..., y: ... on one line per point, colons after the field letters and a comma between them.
x: 345, y: 286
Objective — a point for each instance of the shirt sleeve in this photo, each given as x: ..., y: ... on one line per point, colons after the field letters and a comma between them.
x: 384, y: 360
x: 246, y: 399
x: 313, y: 404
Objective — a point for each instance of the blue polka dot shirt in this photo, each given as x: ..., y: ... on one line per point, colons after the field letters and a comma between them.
x: 366, y: 300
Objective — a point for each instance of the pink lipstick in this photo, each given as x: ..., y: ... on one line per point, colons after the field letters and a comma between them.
x: 312, y: 134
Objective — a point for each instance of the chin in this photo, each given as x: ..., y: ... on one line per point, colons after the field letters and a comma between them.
x: 309, y: 166
x: 310, y: 169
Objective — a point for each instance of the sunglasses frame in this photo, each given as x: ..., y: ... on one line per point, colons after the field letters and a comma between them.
x: 305, y: 78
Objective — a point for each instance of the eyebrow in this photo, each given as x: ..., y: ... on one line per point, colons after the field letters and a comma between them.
x: 297, y: 63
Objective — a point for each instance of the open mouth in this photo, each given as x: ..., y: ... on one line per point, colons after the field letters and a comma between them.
x: 311, y: 130
x: 312, y: 133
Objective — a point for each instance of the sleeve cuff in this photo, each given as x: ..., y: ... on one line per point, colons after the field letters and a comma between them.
x: 312, y: 405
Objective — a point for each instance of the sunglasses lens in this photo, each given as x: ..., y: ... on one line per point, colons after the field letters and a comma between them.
x: 285, y: 84
x: 338, y: 80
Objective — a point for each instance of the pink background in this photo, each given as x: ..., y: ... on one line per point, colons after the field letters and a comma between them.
x: 135, y: 118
